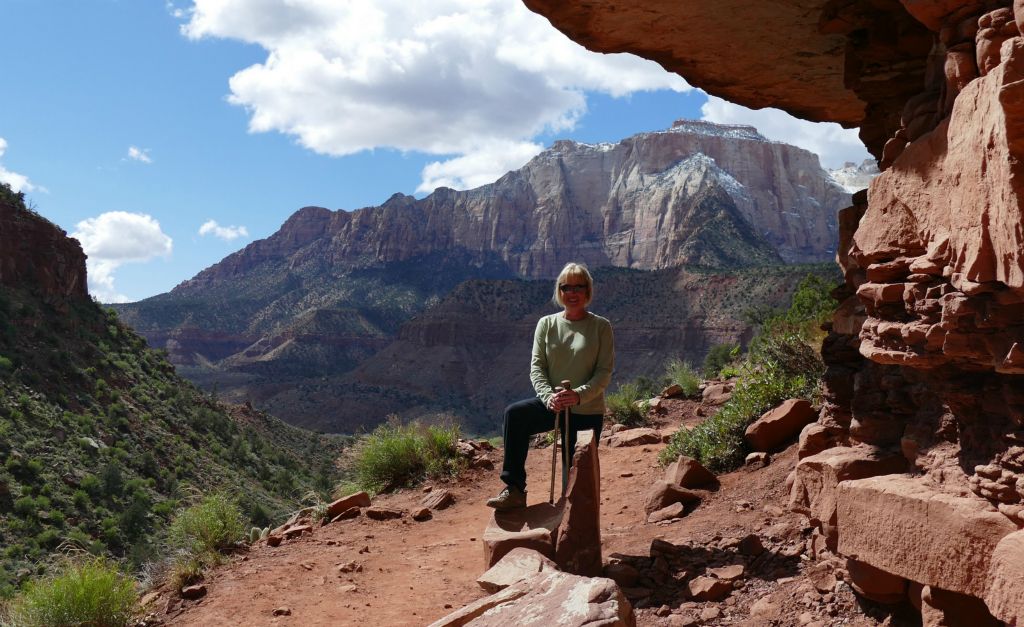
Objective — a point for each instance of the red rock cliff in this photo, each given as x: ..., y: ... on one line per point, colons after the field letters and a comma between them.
x: 915, y: 470
x: 35, y: 254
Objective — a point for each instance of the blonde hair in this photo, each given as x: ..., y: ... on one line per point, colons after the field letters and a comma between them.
x: 573, y: 270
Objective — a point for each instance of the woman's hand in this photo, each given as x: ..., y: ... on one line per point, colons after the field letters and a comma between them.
x: 561, y: 400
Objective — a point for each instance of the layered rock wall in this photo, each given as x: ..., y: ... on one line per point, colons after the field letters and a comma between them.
x: 642, y: 203
x: 35, y: 254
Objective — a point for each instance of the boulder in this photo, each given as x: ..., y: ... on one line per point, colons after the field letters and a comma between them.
x: 672, y: 391
x: 578, y: 537
x: 728, y: 573
x: 550, y: 599
x: 663, y: 494
x: 815, y: 438
x: 689, y: 473
x: 533, y: 527
x: 197, y: 591
x: 709, y: 589
x: 717, y: 393
x: 777, y: 426
x: 1005, y: 595
x: 359, y: 499
x: 634, y: 437
x: 518, y: 564
x: 876, y: 584
x: 422, y: 514
x: 757, y: 460
x: 904, y: 527
x: 438, y: 499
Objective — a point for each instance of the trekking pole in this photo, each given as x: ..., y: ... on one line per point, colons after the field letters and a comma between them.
x: 566, y: 385
x: 554, y: 453
x: 566, y: 460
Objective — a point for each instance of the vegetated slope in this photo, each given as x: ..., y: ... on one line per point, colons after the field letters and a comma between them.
x: 100, y: 441
x: 469, y: 354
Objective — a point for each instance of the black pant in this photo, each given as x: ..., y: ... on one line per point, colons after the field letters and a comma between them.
x: 528, y: 418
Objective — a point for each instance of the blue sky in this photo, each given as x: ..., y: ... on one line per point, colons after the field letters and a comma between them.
x: 133, y: 123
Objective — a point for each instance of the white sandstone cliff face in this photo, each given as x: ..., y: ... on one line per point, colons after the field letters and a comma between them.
x: 624, y: 204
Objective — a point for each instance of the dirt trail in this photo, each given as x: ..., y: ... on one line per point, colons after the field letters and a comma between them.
x: 416, y: 572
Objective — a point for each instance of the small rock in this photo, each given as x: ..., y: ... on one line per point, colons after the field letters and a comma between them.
x: 383, y: 513
x: 307, y: 566
x: 625, y: 474
x: 663, y: 611
x: 438, y: 499
x: 682, y: 621
x: 296, y: 531
x: 751, y: 545
x: 710, y: 613
x: 757, y: 460
x: 709, y: 589
x: 427, y: 488
x: 773, y: 510
x: 283, y: 611
x: 273, y: 540
x: 352, y: 512
x: 197, y: 591
x: 359, y: 499
x: 675, y: 510
x: 422, y: 514
x: 350, y: 567
x: 763, y: 607
x: 148, y: 598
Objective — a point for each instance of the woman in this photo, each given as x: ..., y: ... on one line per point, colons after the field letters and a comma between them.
x: 574, y: 345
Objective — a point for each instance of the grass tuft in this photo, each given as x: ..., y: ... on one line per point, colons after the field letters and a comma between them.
x: 684, y: 374
x: 628, y: 405
x: 396, y: 455
x: 80, y: 591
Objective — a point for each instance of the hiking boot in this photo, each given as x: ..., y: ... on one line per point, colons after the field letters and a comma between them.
x: 509, y: 498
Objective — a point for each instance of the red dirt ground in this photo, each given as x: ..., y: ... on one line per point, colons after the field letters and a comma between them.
x: 414, y: 573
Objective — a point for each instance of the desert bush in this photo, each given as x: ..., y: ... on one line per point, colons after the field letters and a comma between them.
x: 208, y: 527
x: 628, y: 405
x: 396, y: 455
x: 82, y: 591
x: 682, y: 373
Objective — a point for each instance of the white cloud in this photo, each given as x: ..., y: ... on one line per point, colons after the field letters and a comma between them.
x: 833, y: 143
x: 18, y: 182
x: 139, y: 154
x: 446, y: 77
x: 478, y: 167
x: 113, y: 239
x: 226, y: 233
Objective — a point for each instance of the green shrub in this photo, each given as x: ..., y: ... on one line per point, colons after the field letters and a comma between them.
x: 397, y: 455
x: 82, y: 591
x: 628, y: 405
x: 5, y: 363
x: 207, y: 528
x: 720, y: 356
x: 682, y: 373
x: 718, y: 441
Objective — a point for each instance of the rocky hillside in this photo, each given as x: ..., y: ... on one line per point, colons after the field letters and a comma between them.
x: 100, y: 441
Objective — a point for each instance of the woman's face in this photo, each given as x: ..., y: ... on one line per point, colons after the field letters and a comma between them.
x: 573, y: 291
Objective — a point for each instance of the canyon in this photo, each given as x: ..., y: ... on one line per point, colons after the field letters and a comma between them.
x: 341, y: 318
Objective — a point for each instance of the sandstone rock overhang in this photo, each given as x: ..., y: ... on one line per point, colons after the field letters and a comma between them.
x: 755, y: 53
x: 848, y: 61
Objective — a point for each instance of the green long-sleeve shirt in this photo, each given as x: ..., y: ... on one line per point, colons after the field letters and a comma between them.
x: 582, y: 351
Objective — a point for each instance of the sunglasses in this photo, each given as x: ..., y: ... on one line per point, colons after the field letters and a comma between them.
x: 572, y: 288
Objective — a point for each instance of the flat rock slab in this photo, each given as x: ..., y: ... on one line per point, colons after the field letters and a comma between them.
x: 817, y: 477
x: 520, y: 563
x: 634, y: 437
x: 906, y: 528
x: 552, y: 599
x: 358, y: 499
x: 532, y: 527
x: 383, y: 513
